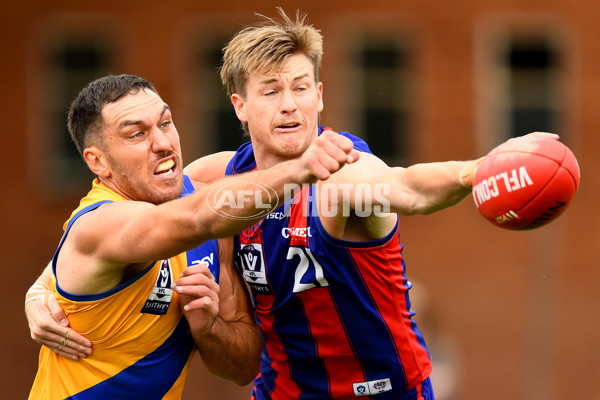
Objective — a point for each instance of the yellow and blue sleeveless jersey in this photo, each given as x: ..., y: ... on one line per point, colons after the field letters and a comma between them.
x: 141, y: 340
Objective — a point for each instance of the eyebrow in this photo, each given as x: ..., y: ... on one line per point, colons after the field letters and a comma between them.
x: 140, y: 122
x: 274, y: 80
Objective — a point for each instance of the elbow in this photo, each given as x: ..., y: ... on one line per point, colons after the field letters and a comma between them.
x: 417, y: 207
x: 247, y: 378
x: 428, y: 210
x: 242, y: 374
x: 250, y: 370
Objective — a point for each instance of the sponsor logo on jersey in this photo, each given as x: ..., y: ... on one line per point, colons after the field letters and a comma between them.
x: 208, y: 260
x: 296, y: 232
x: 251, y: 263
x: 278, y: 215
x: 372, y: 387
x: 160, y: 298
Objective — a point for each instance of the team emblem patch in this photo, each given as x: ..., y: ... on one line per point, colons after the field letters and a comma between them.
x: 251, y: 263
x: 160, y: 298
x: 372, y: 387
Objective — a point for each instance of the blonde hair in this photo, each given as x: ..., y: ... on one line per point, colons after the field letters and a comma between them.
x: 266, y: 46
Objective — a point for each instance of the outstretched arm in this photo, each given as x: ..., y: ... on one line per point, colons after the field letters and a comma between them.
x: 367, y: 196
x: 221, y: 318
x: 419, y: 189
x: 427, y: 188
x: 121, y: 242
x: 128, y: 232
x: 430, y: 187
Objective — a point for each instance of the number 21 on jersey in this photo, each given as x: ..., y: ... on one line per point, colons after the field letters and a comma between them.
x: 309, y: 273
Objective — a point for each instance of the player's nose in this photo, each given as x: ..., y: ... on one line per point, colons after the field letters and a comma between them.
x: 160, y: 141
x: 287, y: 102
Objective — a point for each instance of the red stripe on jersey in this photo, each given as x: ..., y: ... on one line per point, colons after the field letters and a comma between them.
x: 419, y: 392
x: 327, y: 330
x: 285, y: 387
x: 297, y: 221
x: 388, y: 289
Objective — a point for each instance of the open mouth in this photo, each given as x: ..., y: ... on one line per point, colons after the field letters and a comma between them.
x: 165, y: 167
x: 290, y: 125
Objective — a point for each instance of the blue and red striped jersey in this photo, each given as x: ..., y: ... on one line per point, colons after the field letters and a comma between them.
x: 335, y: 315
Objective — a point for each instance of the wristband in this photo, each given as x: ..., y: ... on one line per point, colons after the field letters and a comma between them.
x: 39, y: 290
x: 465, y: 177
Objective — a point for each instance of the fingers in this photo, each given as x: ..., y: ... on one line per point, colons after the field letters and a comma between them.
x: 206, y: 304
x: 198, y: 288
x: 67, y: 343
x: 195, y: 279
x: 57, y: 312
x: 199, y: 297
x: 201, y: 268
x: 327, y: 154
x: 45, y: 329
x: 65, y: 346
x: 353, y: 156
x: 344, y: 144
x: 543, y: 135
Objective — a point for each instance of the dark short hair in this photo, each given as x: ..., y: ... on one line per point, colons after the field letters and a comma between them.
x: 85, y: 114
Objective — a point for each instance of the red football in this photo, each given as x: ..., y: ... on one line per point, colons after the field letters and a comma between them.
x: 526, y: 182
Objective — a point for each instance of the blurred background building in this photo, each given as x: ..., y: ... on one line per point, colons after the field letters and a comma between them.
x: 508, y: 315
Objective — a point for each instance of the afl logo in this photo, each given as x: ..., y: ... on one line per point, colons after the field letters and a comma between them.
x: 227, y: 198
x: 250, y: 260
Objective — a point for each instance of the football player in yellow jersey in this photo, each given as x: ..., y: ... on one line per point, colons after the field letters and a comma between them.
x: 134, y: 233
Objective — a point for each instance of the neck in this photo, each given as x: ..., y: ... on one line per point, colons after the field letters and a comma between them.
x: 266, y: 160
x: 110, y: 184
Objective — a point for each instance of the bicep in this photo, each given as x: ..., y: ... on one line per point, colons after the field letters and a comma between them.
x: 128, y: 232
x: 370, y: 185
x: 209, y: 168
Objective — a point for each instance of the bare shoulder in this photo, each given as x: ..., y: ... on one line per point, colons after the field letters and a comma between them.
x: 355, y: 199
x: 81, y: 266
x: 209, y: 168
x: 94, y: 226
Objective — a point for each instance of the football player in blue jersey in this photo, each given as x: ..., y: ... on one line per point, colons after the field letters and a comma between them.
x: 139, y: 229
x: 328, y: 278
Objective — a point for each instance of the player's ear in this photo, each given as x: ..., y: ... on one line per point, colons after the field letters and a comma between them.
x: 96, y: 161
x: 320, y: 96
x: 239, y: 105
